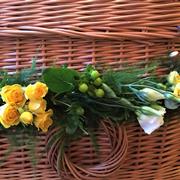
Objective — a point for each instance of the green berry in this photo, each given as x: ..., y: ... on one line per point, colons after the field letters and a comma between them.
x: 98, y: 81
x: 95, y: 74
x: 80, y: 111
x: 99, y: 92
x: 83, y: 88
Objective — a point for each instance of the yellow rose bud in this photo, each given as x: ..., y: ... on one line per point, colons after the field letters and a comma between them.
x: 36, y: 91
x: 37, y: 106
x: 174, y: 77
x: 26, y: 118
x: 13, y: 94
x: 177, y: 90
x: 177, y: 79
x: 9, y: 115
x: 43, y: 121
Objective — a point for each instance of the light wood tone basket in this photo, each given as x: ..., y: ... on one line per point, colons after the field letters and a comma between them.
x: 79, y: 32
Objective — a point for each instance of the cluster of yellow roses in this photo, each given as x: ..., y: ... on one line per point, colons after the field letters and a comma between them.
x: 174, y: 79
x: 25, y: 105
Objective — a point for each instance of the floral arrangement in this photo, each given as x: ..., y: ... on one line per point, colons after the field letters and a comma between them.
x: 25, y: 105
x: 77, y: 101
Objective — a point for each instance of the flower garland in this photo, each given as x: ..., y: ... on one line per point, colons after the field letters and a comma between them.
x: 70, y: 98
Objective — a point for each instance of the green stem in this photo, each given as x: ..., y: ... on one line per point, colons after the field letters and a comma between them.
x: 61, y: 102
x: 145, y: 86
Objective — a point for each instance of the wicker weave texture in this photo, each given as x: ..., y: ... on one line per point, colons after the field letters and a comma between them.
x: 18, y: 165
x: 104, y: 19
x: 149, y: 157
x: 154, y: 157
x: 83, y: 162
x: 110, y: 33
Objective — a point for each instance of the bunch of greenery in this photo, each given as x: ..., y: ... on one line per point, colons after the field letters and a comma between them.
x: 80, y: 100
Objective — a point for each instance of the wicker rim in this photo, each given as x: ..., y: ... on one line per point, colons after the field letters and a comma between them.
x: 119, y: 145
x: 40, y: 31
x: 110, y: 20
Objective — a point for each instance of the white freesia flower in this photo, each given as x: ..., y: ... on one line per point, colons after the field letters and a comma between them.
x: 150, y: 123
x: 151, y: 119
x: 151, y: 94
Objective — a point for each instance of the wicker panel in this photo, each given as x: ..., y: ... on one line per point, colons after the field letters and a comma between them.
x: 156, y: 156
x: 110, y: 33
x: 17, y: 53
x: 81, y: 160
x: 19, y: 166
x: 109, y: 19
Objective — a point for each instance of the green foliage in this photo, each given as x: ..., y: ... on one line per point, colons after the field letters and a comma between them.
x: 22, y: 77
x: 3, y: 79
x: 60, y: 80
x: 19, y: 137
x: 81, y: 99
x: 116, y: 79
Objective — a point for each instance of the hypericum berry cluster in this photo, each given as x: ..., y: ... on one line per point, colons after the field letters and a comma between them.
x: 91, y: 83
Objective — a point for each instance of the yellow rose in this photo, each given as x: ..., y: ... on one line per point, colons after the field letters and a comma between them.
x: 26, y: 118
x: 37, y: 106
x: 177, y: 90
x: 13, y: 94
x: 43, y: 121
x: 36, y: 91
x: 177, y: 79
x: 9, y: 115
x: 174, y: 77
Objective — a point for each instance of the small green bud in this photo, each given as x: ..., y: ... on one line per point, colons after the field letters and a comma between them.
x: 83, y: 88
x: 98, y: 81
x: 95, y: 74
x: 99, y: 92
x: 80, y: 111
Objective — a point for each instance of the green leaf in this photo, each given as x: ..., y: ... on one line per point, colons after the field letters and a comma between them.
x: 94, y: 141
x: 60, y: 80
x: 72, y: 124
x: 4, y: 77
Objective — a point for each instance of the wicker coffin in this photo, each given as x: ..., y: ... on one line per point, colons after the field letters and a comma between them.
x: 108, y: 32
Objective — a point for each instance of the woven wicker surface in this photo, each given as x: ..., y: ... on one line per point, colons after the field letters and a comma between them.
x: 18, y: 164
x: 81, y: 161
x: 110, y: 19
x: 110, y: 33
x: 154, y: 157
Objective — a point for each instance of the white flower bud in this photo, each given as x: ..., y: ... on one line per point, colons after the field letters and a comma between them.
x: 151, y: 94
x: 150, y: 123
